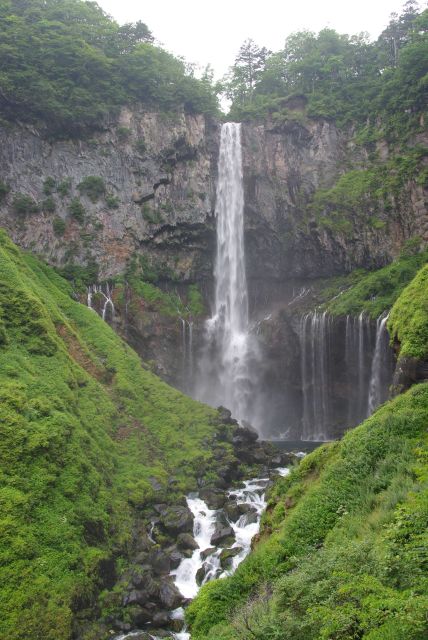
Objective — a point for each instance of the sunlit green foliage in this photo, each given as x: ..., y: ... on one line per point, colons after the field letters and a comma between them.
x: 408, y: 320
x: 83, y: 430
x: 347, y: 554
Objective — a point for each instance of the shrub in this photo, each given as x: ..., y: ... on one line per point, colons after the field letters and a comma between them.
x: 112, y: 201
x: 93, y: 187
x: 64, y: 187
x: 48, y: 205
x: 140, y: 146
x: 150, y: 215
x: 24, y: 205
x: 49, y: 186
x: 77, y: 210
x: 59, y: 226
x: 4, y: 190
x: 196, y: 301
x: 123, y: 133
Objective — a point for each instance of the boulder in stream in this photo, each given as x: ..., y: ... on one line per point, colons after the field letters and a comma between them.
x: 177, y: 519
x: 222, y: 535
x: 227, y: 555
x: 215, y: 498
x: 169, y: 595
x: 186, y: 541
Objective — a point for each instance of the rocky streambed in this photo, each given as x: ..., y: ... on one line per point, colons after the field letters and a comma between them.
x: 224, y: 523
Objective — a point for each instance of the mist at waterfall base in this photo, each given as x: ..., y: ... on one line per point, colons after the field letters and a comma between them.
x: 345, y: 371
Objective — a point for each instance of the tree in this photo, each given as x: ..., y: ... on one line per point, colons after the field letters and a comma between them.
x: 246, y: 72
x: 396, y: 34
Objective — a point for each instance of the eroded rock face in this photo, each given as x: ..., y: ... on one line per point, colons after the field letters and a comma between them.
x: 283, y: 166
x: 160, y: 172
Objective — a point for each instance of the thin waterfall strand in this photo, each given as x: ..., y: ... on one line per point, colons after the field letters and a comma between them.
x: 377, y: 393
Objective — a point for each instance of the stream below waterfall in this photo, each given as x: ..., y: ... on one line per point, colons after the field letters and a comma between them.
x: 208, y: 561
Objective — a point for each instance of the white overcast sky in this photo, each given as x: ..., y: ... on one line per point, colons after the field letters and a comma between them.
x: 212, y: 32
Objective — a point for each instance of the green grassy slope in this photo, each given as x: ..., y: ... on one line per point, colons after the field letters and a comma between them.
x: 343, y: 555
x: 85, y: 431
x: 408, y: 321
x: 372, y: 291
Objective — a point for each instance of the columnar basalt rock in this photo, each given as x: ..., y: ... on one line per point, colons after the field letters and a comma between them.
x: 158, y: 177
x: 284, y: 165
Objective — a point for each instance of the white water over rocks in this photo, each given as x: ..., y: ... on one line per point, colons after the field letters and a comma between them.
x: 229, y: 361
x: 252, y: 494
x: 108, y: 310
x: 361, y: 355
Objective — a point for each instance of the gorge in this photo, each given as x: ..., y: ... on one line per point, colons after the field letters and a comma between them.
x: 213, y: 334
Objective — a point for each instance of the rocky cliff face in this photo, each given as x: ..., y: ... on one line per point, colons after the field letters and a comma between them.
x: 284, y: 165
x: 158, y: 173
x: 156, y: 177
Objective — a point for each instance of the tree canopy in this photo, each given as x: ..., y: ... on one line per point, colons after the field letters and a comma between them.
x: 68, y: 64
x: 344, y: 77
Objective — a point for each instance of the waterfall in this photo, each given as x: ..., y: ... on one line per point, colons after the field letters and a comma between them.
x: 187, y: 354
x: 229, y: 359
x: 315, y: 357
x: 377, y: 391
x: 346, y: 370
x: 108, y: 310
x: 362, y: 377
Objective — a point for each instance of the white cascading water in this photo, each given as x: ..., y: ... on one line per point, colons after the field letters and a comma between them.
x: 377, y: 391
x: 228, y: 362
x: 314, y: 337
x: 108, y: 310
x: 253, y: 494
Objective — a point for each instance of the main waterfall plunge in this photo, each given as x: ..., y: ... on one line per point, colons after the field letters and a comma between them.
x: 228, y: 364
x: 323, y: 375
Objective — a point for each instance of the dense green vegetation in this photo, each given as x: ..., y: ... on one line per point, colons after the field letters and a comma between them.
x: 343, y: 554
x: 85, y: 431
x: 408, y: 321
x: 367, y: 196
x: 67, y: 64
x: 375, y: 291
x: 381, y: 85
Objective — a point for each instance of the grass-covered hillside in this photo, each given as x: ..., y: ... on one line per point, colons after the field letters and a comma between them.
x: 372, y: 291
x: 343, y: 551
x: 87, y: 437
